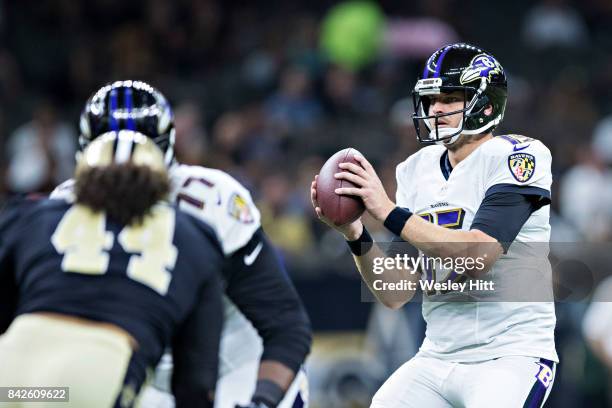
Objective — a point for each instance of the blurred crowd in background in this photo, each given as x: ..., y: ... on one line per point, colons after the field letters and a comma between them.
x: 268, y: 90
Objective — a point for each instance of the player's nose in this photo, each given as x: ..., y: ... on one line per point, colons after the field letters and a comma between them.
x: 437, y: 107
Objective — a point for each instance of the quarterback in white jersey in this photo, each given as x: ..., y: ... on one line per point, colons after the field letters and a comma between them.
x: 266, y: 334
x: 469, y: 195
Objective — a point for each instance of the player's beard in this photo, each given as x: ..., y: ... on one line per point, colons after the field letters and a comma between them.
x: 463, y: 140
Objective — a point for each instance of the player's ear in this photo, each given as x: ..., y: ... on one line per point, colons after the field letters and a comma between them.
x: 488, y: 110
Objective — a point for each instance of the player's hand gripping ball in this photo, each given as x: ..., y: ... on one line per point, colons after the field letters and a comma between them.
x: 339, y: 209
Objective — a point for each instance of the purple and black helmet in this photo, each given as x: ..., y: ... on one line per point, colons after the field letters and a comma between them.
x: 471, y: 70
x: 129, y: 105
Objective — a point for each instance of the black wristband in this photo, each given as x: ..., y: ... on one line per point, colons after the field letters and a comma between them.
x: 396, y: 220
x: 268, y: 392
x: 362, y: 244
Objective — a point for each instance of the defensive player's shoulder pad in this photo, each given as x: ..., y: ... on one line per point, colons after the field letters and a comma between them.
x: 24, y: 208
x: 64, y: 191
x: 24, y: 202
x: 12, y: 209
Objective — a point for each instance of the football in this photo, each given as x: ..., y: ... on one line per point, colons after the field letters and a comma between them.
x: 340, y: 209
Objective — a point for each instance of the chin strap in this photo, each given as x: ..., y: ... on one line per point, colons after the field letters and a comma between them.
x: 444, y: 133
x: 450, y: 141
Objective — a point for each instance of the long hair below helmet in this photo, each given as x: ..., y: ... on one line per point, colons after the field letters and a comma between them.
x: 122, y: 174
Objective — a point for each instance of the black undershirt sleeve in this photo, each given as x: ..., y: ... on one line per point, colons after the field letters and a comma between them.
x: 506, y: 208
x: 195, y: 349
x: 259, y: 286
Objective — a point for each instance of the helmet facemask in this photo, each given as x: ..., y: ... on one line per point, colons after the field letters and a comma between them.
x: 475, y: 102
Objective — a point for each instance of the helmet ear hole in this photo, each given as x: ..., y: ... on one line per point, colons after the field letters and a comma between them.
x: 481, y: 105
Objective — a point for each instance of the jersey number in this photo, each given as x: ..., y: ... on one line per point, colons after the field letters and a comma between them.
x: 82, y: 238
x: 452, y: 219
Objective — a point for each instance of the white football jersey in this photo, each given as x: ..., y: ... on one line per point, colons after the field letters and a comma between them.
x: 469, y: 331
x: 216, y: 198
